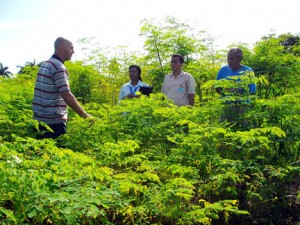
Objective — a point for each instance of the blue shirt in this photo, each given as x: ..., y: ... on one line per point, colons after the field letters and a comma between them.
x: 226, y: 72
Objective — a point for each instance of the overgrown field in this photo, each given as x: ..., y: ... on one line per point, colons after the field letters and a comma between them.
x: 146, y: 161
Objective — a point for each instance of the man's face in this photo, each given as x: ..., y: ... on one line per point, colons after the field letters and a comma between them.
x: 175, y: 64
x: 68, y: 50
x: 233, y: 61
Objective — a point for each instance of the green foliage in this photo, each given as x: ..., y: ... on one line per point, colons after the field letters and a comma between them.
x: 30, y: 68
x: 15, y: 100
x: 87, y: 84
x: 277, y: 60
x: 4, y: 71
x: 147, y: 161
x: 172, y: 37
x: 112, y: 66
x: 45, y: 186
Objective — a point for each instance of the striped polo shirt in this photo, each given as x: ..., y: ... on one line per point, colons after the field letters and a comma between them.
x: 52, y: 79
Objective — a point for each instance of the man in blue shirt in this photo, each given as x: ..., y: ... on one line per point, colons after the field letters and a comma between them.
x: 234, y: 68
x: 235, y: 96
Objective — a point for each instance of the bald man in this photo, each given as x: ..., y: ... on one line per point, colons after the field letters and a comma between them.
x: 234, y: 68
x: 234, y: 108
x: 52, y: 92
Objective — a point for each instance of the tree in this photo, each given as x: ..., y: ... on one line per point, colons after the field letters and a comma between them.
x: 4, y: 71
x: 276, y: 62
x: 175, y: 37
x: 28, y: 67
x: 87, y: 84
x: 112, y: 64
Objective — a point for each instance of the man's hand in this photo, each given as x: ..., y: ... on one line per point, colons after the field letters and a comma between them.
x: 86, y: 115
x: 90, y: 119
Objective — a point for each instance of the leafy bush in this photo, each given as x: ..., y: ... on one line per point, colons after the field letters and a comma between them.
x: 147, y: 161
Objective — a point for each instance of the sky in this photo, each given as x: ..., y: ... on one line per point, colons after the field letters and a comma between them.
x: 28, y: 28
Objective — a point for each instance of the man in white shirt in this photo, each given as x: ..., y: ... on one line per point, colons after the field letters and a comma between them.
x: 179, y: 85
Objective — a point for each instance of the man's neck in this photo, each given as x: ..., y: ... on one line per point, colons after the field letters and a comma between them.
x: 177, y: 73
x: 237, y: 68
x: 57, y: 57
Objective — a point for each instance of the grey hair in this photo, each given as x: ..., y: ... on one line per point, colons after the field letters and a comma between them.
x: 236, y: 52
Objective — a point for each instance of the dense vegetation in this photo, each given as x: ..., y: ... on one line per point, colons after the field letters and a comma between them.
x: 147, y: 161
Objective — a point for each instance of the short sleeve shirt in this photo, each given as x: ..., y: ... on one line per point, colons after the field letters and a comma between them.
x: 225, y: 72
x: 52, y: 79
x: 128, y: 88
x: 179, y: 88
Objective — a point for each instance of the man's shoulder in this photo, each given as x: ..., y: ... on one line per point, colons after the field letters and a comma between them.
x: 224, y: 68
x: 53, y: 62
x: 187, y: 74
x: 168, y: 76
x: 189, y: 77
x: 224, y: 72
x: 246, y: 68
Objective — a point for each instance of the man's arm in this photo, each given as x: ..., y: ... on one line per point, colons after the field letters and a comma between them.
x: 72, y: 102
x: 191, y: 99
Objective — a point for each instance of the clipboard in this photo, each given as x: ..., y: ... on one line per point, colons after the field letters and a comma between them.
x: 146, y: 90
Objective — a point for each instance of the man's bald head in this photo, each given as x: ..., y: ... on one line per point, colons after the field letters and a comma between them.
x: 63, y: 48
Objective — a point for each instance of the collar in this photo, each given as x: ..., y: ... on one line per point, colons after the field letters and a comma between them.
x: 138, y: 84
x: 180, y: 75
x: 56, y: 57
x: 242, y: 66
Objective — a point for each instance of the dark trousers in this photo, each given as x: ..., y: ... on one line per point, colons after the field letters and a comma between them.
x: 58, y: 129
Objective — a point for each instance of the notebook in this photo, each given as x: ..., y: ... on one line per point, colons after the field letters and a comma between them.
x: 146, y: 90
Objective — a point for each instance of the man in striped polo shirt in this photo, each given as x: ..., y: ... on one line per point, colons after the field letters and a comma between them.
x: 52, y: 92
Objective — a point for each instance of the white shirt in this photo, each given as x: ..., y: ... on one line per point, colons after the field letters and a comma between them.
x: 129, y: 88
x: 179, y: 88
